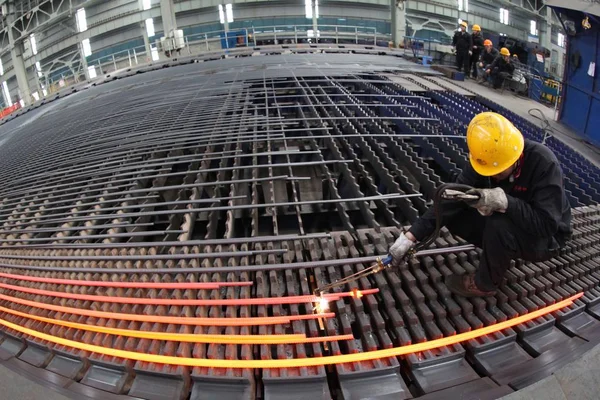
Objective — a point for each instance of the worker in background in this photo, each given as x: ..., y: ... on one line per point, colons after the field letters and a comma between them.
x: 522, y: 211
x: 463, y: 44
x: 477, y: 49
x: 486, y: 59
x: 502, y: 68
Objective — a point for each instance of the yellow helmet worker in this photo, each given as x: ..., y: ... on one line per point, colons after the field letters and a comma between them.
x: 476, y: 28
x: 504, y: 51
x: 522, y: 211
x: 494, y: 143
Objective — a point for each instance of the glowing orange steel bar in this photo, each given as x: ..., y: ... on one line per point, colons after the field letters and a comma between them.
x: 183, y: 337
x: 187, y: 302
x: 199, y: 321
x: 141, y: 285
x: 297, y: 362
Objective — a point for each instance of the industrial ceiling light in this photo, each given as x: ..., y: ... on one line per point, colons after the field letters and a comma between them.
x: 317, y: 9
x: 1, y: 68
x: 81, y: 20
x: 146, y: 4
x: 38, y: 68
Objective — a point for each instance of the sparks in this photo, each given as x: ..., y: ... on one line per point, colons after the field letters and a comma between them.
x: 321, y: 305
x: 357, y: 293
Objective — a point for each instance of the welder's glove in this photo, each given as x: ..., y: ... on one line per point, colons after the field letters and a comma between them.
x: 399, y: 249
x: 490, y: 201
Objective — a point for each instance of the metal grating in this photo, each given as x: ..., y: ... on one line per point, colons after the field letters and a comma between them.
x: 203, y: 173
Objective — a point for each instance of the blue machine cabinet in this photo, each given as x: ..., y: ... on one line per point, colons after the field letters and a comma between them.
x: 581, y: 104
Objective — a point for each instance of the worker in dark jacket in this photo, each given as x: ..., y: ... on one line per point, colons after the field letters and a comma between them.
x: 502, y: 68
x: 522, y: 211
x: 486, y: 59
x: 463, y: 44
x: 476, y: 50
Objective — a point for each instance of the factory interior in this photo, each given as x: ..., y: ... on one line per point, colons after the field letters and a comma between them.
x: 299, y: 199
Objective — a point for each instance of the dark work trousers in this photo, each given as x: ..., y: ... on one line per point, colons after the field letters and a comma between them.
x: 463, y: 60
x: 473, y: 64
x: 501, y: 241
x: 498, y: 78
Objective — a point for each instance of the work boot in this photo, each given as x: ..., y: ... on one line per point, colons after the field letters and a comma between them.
x: 464, y: 285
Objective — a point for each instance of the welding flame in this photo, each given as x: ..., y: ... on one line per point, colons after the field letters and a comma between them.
x: 321, y: 305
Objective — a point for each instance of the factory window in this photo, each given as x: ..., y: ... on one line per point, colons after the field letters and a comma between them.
x: 81, y: 20
x: 22, y: 103
x: 308, y: 8
x: 316, y: 8
x: 463, y: 5
x: 87, y: 48
x: 92, y: 72
x: 1, y: 68
x: 150, y: 27
x: 154, y: 53
x: 311, y: 33
x: 38, y: 68
x: 533, y: 28
x: 221, y: 14
x: 229, y: 12
x: 36, y: 96
x: 146, y: 4
x: 504, y: 16
x: 561, y: 39
x: 6, y: 94
x: 33, y: 43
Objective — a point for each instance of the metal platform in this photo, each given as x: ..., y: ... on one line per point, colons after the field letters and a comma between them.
x: 201, y: 172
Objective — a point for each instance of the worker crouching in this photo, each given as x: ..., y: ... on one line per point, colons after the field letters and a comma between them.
x: 522, y: 210
x: 501, y: 69
x: 486, y: 59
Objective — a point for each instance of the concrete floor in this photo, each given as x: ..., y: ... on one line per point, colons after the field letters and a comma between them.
x: 17, y: 387
x: 521, y: 106
x: 576, y: 381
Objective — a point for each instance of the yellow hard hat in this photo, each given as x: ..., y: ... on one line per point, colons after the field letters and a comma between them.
x: 476, y: 28
x: 494, y: 143
x: 504, y: 51
x: 464, y: 24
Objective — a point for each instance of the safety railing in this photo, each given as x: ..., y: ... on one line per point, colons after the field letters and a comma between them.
x: 199, y: 43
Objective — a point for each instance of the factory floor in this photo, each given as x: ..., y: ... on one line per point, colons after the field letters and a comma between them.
x: 578, y: 380
x: 575, y: 381
x: 521, y: 106
x: 15, y: 386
